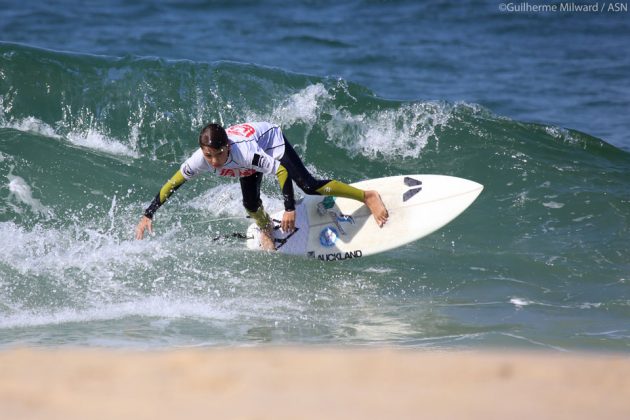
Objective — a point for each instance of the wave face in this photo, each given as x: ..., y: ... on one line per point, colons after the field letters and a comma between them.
x: 541, y: 259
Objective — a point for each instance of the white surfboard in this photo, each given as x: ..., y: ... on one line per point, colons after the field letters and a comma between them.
x: 333, y: 228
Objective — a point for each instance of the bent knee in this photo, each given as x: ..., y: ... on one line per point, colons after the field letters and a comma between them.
x: 311, y: 187
x: 310, y: 190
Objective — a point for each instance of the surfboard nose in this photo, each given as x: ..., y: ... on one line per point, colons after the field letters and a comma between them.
x: 465, y: 188
x: 475, y: 186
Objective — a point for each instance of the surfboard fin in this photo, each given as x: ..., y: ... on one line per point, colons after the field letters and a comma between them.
x: 408, y: 194
x: 410, y: 182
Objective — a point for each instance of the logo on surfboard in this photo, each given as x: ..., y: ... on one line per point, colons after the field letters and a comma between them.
x: 338, y: 256
x: 328, y: 236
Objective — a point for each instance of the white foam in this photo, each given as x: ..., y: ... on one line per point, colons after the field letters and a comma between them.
x: 33, y: 125
x: 303, y: 106
x: 583, y: 218
x: 227, y: 200
x: 21, y: 192
x: 561, y: 134
x: 165, y: 309
x: 92, y: 139
x: 155, y: 306
x: 590, y: 305
x: 380, y: 327
x: 222, y: 200
x: 553, y: 205
x: 401, y: 132
x: 5, y: 105
x: 519, y: 302
x: 106, y: 278
x: 379, y: 270
x: 51, y: 251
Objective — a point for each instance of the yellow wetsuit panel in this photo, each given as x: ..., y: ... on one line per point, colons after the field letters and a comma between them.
x: 339, y: 189
x: 261, y: 217
x: 171, y: 185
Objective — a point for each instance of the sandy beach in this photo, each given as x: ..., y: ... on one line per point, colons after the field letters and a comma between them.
x: 308, y: 383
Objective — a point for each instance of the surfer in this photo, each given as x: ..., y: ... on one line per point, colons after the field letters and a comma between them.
x: 248, y: 151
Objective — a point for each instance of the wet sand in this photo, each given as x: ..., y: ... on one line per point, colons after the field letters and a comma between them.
x: 311, y: 383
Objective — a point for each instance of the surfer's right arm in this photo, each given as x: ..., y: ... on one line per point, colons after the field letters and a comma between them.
x: 167, y: 189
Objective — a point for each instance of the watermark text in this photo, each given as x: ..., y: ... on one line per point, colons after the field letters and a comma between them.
x: 564, y: 7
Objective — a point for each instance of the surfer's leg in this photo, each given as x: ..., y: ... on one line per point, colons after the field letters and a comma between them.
x: 296, y: 170
x: 250, y: 187
x: 303, y: 178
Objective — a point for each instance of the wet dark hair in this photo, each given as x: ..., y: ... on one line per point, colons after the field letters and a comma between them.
x: 213, y: 135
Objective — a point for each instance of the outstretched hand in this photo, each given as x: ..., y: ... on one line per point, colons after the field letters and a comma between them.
x: 145, y: 224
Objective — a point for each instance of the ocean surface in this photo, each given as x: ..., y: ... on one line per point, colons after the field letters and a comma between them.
x: 100, y: 102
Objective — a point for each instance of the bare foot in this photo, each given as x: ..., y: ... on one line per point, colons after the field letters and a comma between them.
x: 372, y: 199
x: 266, y: 240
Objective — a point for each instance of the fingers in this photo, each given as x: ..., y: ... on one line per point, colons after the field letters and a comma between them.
x: 139, y: 231
x: 145, y: 223
x: 288, y: 225
x: 288, y: 221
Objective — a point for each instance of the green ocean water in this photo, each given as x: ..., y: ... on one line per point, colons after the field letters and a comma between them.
x: 541, y: 259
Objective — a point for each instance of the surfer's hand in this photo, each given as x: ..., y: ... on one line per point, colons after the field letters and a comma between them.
x: 145, y: 223
x: 288, y: 221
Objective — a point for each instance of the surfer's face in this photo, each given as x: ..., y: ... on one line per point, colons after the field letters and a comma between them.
x: 216, y: 157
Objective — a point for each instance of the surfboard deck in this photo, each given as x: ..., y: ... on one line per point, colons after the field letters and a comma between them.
x: 333, y: 228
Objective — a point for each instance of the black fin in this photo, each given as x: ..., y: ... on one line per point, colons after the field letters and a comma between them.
x: 410, y: 182
x: 407, y: 195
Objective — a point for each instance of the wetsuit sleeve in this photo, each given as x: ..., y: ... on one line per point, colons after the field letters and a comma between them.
x: 167, y: 189
x: 286, y: 185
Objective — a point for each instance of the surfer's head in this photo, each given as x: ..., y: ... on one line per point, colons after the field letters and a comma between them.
x: 213, y: 141
x: 213, y: 135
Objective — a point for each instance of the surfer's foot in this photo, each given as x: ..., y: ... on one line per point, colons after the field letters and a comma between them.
x: 266, y: 240
x: 372, y: 199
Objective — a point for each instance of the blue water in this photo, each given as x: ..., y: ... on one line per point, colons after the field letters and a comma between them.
x: 101, y: 101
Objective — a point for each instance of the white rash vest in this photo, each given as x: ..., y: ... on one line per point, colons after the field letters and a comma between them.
x: 254, y: 147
